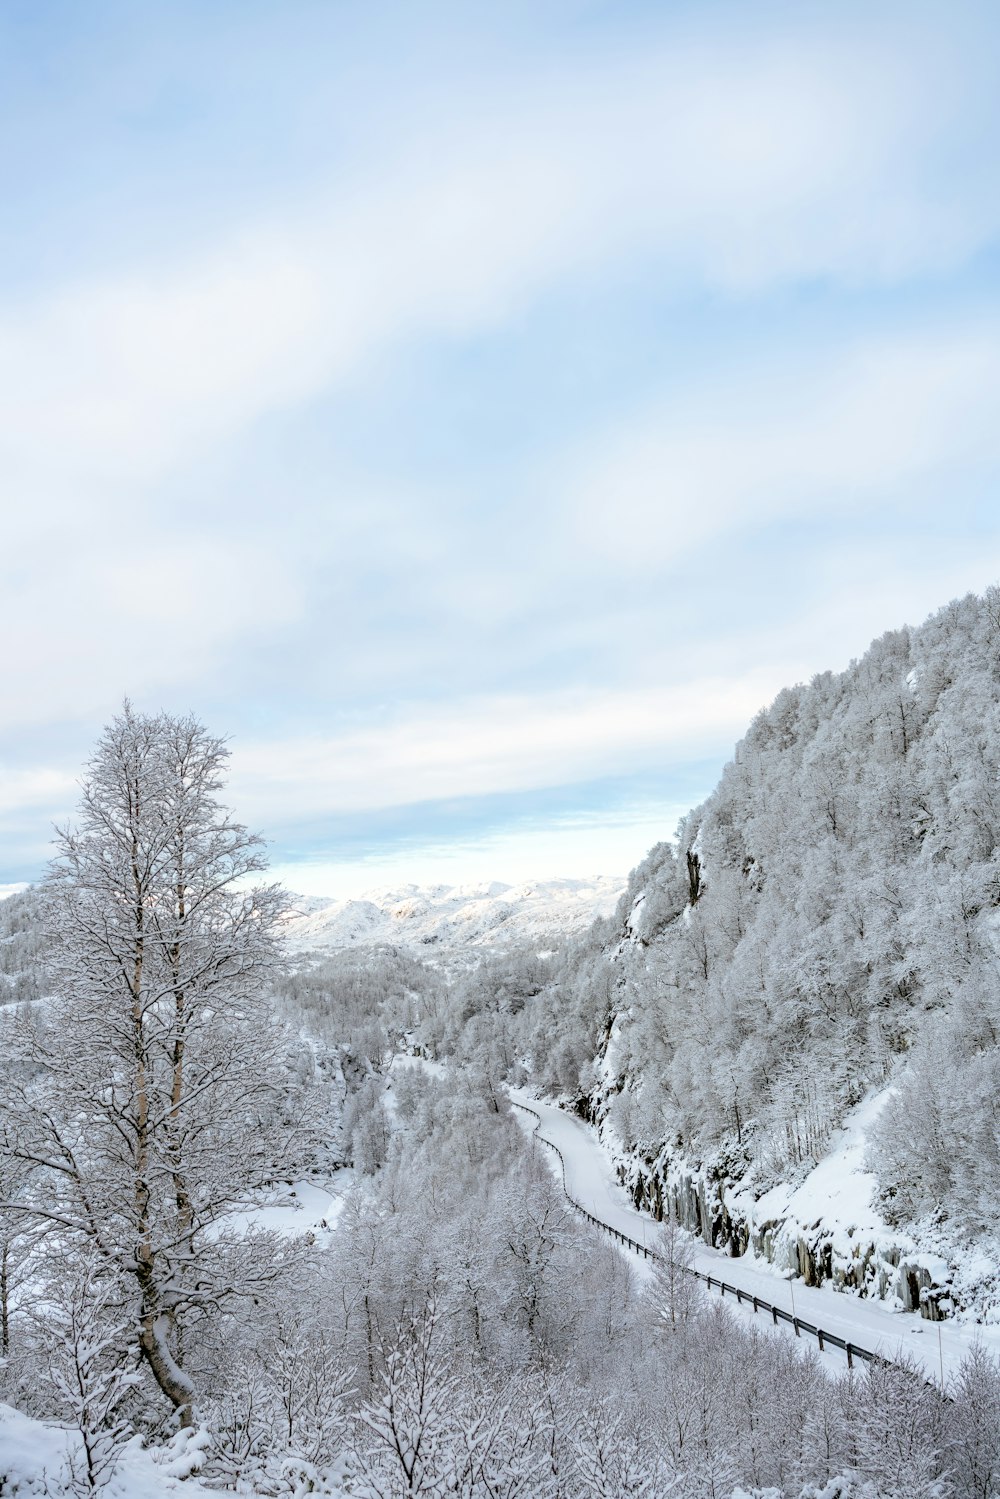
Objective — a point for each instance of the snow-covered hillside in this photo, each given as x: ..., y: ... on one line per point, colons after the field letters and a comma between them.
x: 794, y: 1031
x: 451, y: 916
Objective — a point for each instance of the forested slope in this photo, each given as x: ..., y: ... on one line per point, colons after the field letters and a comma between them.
x: 20, y: 948
x: 824, y: 928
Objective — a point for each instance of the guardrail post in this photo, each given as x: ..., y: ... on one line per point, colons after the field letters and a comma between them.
x: 819, y: 1338
x: 795, y: 1324
x: 850, y: 1356
x: 774, y: 1315
x: 756, y: 1308
x: 739, y: 1296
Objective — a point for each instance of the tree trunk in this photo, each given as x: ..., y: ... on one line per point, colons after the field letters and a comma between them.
x: 168, y: 1374
x: 5, y: 1299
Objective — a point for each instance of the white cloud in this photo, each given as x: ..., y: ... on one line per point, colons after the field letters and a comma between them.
x: 496, y: 744
x: 809, y: 436
x: 38, y: 788
x: 737, y: 165
x: 132, y: 611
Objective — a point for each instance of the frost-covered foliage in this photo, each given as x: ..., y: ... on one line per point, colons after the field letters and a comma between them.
x: 460, y: 1334
x: 827, y: 921
x: 22, y: 948
x: 88, y: 1368
x: 362, y: 1003
x: 151, y: 1094
x: 473, y: 1339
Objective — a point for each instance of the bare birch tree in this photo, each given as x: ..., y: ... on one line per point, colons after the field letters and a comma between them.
x: 153, y: 1099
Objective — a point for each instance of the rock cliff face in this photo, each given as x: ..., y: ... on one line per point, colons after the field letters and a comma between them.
x: 882, y: 1268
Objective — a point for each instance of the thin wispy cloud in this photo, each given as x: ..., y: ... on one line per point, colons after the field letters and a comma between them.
x: 479, y: 416
x: 742, y: 166
x: 474, y: 747
x: 833, y: 430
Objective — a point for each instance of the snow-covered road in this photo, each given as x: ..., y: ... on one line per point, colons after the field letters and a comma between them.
x: 591, y: 1182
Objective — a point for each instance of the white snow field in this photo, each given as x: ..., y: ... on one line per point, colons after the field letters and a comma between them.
x: 306, y: 1207
x: 591, y: 1181
x: 36, y: 1458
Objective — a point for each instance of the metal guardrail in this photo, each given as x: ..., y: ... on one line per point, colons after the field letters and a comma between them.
x: 778, y: 1313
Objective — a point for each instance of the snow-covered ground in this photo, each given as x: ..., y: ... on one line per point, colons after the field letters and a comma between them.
x: 839, y: 1189
x: 836, y: 1204
x: 304, y: 1208
x: 454, y: 915
x: 591, y: 1181
x: 35, y: 1459
x: 41, y: 1459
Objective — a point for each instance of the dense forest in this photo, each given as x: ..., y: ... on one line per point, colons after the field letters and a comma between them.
x: 824, y: 927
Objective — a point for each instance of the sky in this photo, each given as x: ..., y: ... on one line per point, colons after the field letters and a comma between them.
x: 477, y: 412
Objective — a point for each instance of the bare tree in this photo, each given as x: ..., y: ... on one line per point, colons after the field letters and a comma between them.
x: 17, y: 1237
x: 153, y: 1099
x: 87, y: 1367
x: 675, y: 1288
x: 410, y: 1421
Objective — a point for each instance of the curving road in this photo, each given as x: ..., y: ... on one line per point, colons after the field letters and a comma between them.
x: 591, y: 1182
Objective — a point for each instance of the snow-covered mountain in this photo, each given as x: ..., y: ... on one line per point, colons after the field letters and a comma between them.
x: 451, y: 916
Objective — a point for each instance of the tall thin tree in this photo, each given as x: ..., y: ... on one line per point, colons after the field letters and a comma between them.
x: 154, y: 1100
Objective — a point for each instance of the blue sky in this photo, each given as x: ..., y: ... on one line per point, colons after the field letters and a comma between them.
x: 479, y: 411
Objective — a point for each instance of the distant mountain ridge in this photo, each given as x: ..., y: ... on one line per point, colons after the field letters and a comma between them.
x: 450, y: 916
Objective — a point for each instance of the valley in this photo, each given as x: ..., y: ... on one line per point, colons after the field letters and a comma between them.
x: 768, y: 1057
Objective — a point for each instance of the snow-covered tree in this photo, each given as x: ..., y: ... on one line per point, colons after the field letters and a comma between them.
x: 676, y: 1291
x: 86, y: 1361
x: 151, y: 1096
